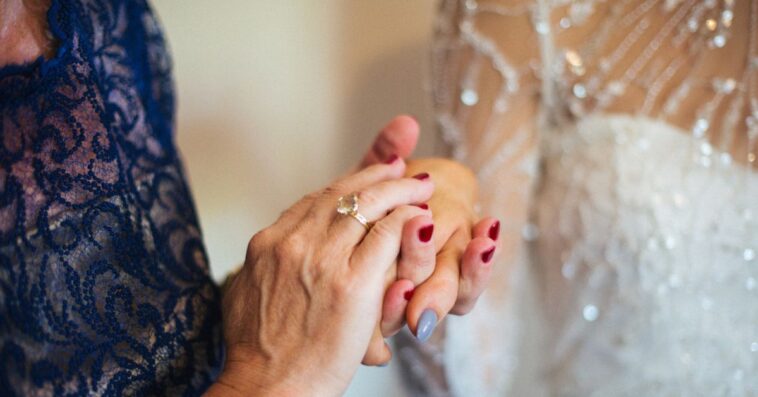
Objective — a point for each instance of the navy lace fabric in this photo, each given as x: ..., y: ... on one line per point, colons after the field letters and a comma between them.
x: 104, y: 283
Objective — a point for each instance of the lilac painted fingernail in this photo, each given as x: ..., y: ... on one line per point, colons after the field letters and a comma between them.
x: 383, y: 365
x: 426, y: 324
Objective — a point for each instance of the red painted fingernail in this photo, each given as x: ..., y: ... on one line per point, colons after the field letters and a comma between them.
x: 487, y: 255
x: 422, y: 176
x: 425, y: 233
x: 495, y: 230
x: 423, y: 206
x: 391, y: 159
x: 409, y: 294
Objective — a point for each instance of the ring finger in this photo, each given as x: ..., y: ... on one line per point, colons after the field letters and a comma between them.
x: 374, y: 202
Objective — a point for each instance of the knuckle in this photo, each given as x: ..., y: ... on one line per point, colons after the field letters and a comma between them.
x: 334, y: 190
x: 369, y: 198
x: 259, y: 241
x: 291, y: 247
x: 383, y: 229
x: 342, y: 289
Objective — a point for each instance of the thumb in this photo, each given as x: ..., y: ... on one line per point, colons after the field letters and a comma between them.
x: 398, y: 137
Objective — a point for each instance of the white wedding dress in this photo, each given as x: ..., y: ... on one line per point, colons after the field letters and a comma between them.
x: 620, y: 157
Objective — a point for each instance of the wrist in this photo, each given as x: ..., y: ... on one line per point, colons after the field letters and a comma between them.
x: 246, y: 375
x: 237, y: 382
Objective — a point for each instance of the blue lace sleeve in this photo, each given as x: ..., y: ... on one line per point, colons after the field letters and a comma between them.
x: 104, y: 282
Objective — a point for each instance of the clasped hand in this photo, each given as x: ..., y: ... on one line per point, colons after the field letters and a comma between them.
x: 319, y: 293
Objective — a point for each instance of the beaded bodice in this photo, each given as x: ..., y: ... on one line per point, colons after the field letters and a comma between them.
x: 617, y: 140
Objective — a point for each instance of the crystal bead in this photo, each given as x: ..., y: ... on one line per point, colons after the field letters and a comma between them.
x: 471, y: 5
x: 711, y: 24
x: 590, y: 313
x: 542, y: 27
x: 726, y: 159
x: 754, y: 347
x: 750, y: 283
x: 692, y: 25
x: 700, y: 127
x: 748, y: 254
x: 573, y: 58
x: 579, y: 91
x: 564, y: 23
x: 469, y: 97
x: 719, y: 41
x: 724, y: 86
x: 706, y: 149
x: 726, y: 17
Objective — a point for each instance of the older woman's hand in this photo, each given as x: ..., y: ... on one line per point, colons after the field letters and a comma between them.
x: 299, y: 315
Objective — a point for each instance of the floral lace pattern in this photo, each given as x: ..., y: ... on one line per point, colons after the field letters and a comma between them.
x: 104, y: 283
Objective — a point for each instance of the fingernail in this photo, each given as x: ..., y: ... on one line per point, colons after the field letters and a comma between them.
x: 391, y: 159
x: 495, y: 230
x: 409, y: 294
x: 487, y: 255
x: 383, y: 365
x: 425, y: 233
x: 422, y: 176
x: 426, y: 324
x: 423, y: 206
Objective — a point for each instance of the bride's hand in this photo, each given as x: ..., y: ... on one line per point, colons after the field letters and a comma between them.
x: 299, y: 315
x: 465, y: 247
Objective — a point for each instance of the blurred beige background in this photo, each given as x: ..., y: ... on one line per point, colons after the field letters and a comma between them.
x: 275, y: 98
